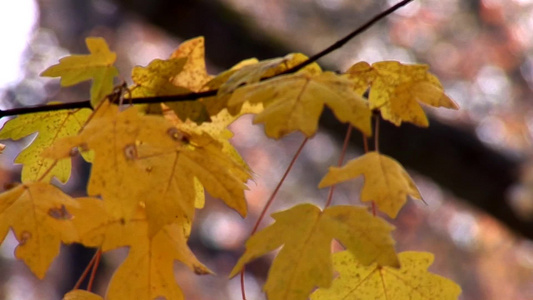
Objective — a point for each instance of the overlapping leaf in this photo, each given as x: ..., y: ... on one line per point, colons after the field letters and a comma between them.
x: 145, y: 158
x: 306, y: 232
x: 295, y: 102
x: 253, y: 73
x: 39, y: 215
x: 97, y: 66
x: 412, y: 281
x: 386, y: 181
x: 147, y: 272
x: 396, y: 89
x: 155, y: 79
x: 50, y: 127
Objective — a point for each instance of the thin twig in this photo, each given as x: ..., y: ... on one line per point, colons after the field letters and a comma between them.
x: 347, y: 38
x: 195, y: 96
x: 95, y: 267
x: 339, y: 163
x: 84, y: 274
x: 269, y: 202
x: 376, y: 135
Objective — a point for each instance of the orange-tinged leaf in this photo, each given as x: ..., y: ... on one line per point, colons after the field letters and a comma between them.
x: 386, y: 181
x: 81, y: 295
x: 295, y: 102
x: 39, y: 215
x: 147, y: 272
x: 194, y: 75
x: 160, y: 162
x: 306, y: 232
x: 411, y: 281
x: 50, y: 126
x: 396, y: 89
x: 156, y: 80
x: 97, y: 66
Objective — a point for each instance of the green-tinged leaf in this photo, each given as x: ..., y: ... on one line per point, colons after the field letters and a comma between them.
x: 50, y: 127
x: 97, y: 66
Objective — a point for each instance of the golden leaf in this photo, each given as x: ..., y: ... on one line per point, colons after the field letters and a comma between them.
x: 295, y: 102
x: 145, y: 158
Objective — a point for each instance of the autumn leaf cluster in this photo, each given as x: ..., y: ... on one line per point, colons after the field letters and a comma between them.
x: 151, y: 165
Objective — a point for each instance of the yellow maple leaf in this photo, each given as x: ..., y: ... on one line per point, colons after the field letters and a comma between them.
x: 411, y: 281
x: 39, y: 215
x: 50, y: 126
x: 306, y: 232
x: 396, y: 89
x: 156, y: 80
x: 295, y: 102
x: 81, y: 295
x: 215, y: 104
x: 386, y: 181
x: 97, y: 66
x: 146, y: 159
x: 147, y: 272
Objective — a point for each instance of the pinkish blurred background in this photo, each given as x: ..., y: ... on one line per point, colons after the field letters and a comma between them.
x: 474, y: 168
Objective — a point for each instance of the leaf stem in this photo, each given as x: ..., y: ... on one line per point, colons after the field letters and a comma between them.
x: 339, y: 163
x: 365, y: 143
x: 195, y: 96
x: 270, y: 200
x: 376, y: 134
x: 85, y: 272
x: 98, y: 255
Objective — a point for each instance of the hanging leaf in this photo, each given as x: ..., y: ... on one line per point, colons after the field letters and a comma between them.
x: 386, y: 182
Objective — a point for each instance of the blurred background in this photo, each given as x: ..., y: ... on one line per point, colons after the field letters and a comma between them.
x: 474, y: 166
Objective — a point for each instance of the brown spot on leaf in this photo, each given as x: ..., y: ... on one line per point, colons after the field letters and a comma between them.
x: 177, y: 135
x: 59, y: 213
x: 198, y: 270
x: 24, y: 237
x: 130, y: 151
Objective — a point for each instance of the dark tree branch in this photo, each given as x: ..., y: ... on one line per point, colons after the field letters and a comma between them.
x: 195, y: 96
